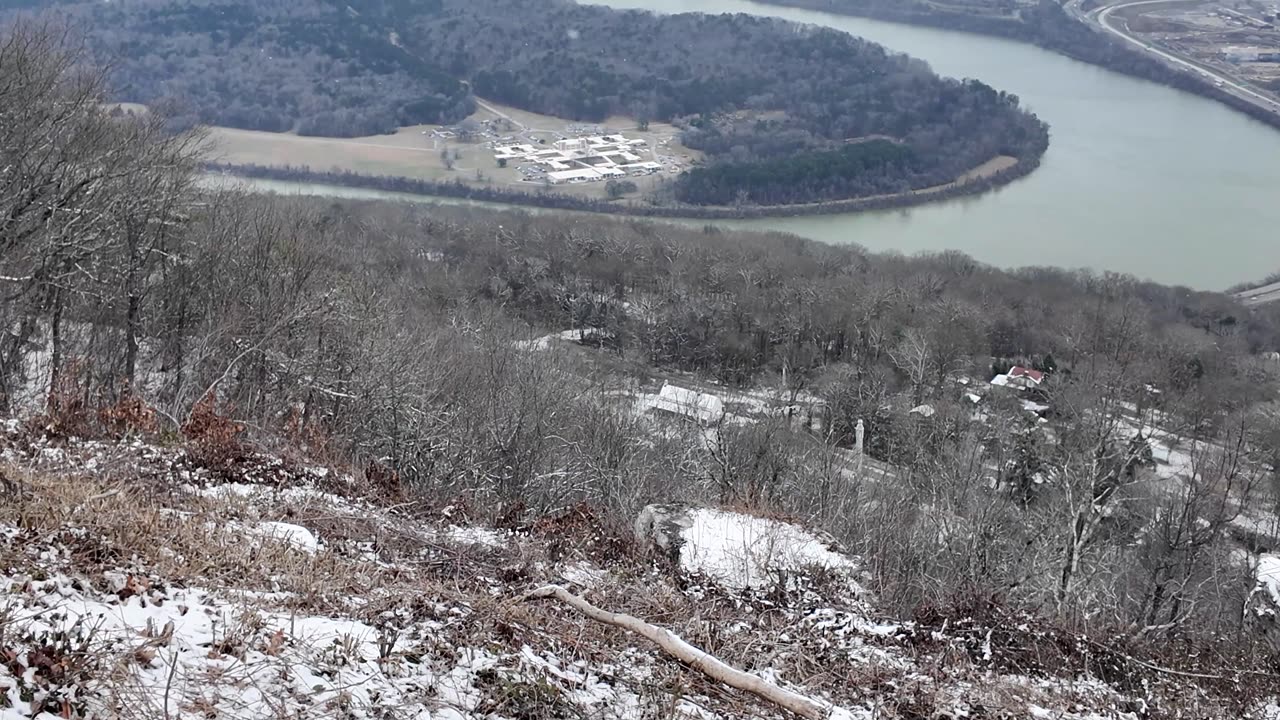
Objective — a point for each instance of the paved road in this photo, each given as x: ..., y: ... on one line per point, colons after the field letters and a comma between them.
x: 1102, y: 18
x: 1260, y: 295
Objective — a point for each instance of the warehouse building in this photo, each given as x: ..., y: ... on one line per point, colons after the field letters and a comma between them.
x: 580, y: 175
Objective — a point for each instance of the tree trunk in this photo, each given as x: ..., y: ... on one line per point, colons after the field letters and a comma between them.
x: 55, y: 349
x: 11, y: 363
x: 132, y: 320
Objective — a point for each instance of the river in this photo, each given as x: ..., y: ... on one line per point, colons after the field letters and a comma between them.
x: 1138, y: 178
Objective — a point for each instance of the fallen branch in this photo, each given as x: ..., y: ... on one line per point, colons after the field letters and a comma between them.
x: 1179, y: 673
x: 102, y: 495
x: 696, y: 658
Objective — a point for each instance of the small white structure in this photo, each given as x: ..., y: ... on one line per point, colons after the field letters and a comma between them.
x: 700, y: 407
x: 643, y: 168
x: 923, y: 411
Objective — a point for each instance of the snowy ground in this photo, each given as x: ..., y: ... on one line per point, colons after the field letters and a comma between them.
x: 134, y: 584
x: 741, y: 551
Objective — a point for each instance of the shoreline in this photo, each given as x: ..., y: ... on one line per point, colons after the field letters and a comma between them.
x: 559, y: 201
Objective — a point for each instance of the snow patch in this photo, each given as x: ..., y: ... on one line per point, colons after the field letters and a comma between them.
x: 295, y: 536
x: 741, y: 551
x: 474, y: 536
x: 923, y: 411
x: 1268, y: 575
x: 542, y: 344
x: 584, y: 574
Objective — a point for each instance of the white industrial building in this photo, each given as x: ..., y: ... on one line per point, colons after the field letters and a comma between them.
x: 642, y: 168
x: 580, y: 175
x: 582, y: 159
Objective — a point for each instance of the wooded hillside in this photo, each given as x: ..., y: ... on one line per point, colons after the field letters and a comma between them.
x: 494, y: 361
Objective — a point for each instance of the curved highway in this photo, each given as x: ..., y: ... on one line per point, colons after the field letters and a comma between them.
x: 1260, y: 295
x: 1103, y: 18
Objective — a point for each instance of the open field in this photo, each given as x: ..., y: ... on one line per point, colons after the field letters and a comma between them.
x: 424, y: 152
x: 408, y: 153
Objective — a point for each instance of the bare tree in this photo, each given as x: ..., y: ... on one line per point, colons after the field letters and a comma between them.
x: 85, y: 198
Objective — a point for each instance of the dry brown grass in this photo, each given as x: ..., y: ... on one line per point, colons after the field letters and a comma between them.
x: 110, y: 526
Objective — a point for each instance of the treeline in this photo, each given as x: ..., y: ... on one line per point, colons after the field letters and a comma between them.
x: 313, y: 66
x: 384, y: 337
x: 321, y: 67
x: 1047, y: 25
x: 875, y: 167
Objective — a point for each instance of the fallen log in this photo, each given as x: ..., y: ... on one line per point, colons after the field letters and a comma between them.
x: 697, y: 658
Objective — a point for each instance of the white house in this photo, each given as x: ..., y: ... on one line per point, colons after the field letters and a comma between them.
x: 1019, y: 377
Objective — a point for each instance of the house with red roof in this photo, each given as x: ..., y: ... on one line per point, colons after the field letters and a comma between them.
x: 1019, y: 377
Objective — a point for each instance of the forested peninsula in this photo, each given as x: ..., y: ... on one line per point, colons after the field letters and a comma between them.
x: 784, y: 114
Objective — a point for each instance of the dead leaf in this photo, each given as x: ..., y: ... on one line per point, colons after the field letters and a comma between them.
x: 275, y: 644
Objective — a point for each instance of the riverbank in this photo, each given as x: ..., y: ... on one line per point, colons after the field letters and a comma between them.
x: 1052, y: 28
x: 991, y: 175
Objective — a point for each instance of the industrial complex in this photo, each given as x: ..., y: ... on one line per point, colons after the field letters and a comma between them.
x: 578, y: 160
x: 1239, y: 38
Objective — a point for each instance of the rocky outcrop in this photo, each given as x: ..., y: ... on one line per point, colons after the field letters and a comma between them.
x: 658, y: 529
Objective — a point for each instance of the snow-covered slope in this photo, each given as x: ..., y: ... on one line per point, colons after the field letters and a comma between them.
x: 135, y: 584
